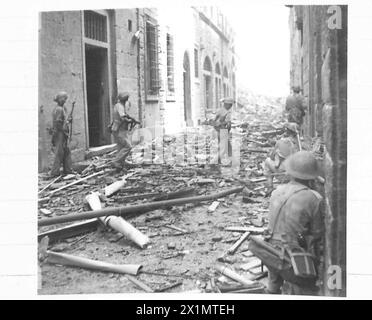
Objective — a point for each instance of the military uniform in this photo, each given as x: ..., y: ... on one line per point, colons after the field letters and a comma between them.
x: 60, y: 141
x: 299, y: 224
x: 295, y: 107
x: 121, y: 133
x: 222, y: 124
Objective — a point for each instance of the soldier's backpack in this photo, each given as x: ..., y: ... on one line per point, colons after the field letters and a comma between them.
x: 294, y: 264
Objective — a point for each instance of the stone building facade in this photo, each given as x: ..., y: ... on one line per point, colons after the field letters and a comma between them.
x: 319, y: 67
x: 175, y: 63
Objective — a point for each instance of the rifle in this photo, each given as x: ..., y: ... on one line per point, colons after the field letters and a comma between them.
x: 131, y: 121
x: 70, y: 117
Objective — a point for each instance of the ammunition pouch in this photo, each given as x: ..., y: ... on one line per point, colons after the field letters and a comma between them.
x: 293, y: 263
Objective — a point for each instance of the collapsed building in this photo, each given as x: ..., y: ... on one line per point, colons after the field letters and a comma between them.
x: 175, y: 76
x: 319, y: 67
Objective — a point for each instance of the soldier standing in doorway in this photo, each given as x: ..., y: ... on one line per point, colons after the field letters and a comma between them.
x: 120, y: 128
x: 60, y: 136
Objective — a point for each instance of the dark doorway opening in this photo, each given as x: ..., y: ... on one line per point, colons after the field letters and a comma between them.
x: 187, y: 89
x: 97, y: 87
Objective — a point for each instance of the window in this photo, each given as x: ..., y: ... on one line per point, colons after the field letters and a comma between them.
x: 152, y: 69
x: 196, y: 63
x: 129, y: 25
x: 95, y: 26
x: 208, y: 83
x: 170, y: 63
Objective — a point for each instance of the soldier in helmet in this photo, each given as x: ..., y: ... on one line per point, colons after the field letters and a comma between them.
x: 120, y: 129
x: 294, y: 106
x: 295, y: 218
x: 60, y: 132
x: 273, y: 165
x: 222, y: 124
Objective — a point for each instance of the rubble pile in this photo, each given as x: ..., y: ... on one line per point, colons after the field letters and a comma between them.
x: 188, y: 244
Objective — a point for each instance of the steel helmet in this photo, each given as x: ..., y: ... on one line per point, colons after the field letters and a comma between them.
x: 284, y: 148
x: 60, y: 95
x: 302, y: 165
x: 228, y: 100
x: 123, y: 96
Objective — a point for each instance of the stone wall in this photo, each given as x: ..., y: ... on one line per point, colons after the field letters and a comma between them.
x: 323, y: 74
x: 61, y: 68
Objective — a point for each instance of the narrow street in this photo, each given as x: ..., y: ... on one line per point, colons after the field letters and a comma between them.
x: 186, y: 242
x: 167, y: 134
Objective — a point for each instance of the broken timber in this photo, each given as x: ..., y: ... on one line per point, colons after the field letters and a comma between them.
x: 237, y: 244
x: 159, y: 196
x: 70, y: 230
x: 233, y: 275
x: 76, y: 182
x: 49, y: 184
x: 136, y: 209
x: 246, y: 229
x: 139, y: 284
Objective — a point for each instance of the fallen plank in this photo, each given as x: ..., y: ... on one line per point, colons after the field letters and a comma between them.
x: 70, y: 231
x: 256, y: 180
x: 139, y: 283
x: 49, y: 184
x: 252, y: 264
x: 233, y: 275
x: 258, y: 289
x: 237, y: 244
x: 80, y: 262
x: 246, y: 229
x: 136, y: 209
x: 261, y: 144
x: 43, y: 200
x: 213, y: 206
x: 229, y: 288
x: 176, y: 228
x: 205, y: 181
x: 76, y: 182
x: 174, y: 195
x: 171, y: 286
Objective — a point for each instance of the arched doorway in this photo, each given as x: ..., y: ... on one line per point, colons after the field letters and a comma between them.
x: 187, y: 89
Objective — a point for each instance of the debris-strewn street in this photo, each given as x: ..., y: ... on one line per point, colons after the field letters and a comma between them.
x: 174, y: 157
x: 190, y: 245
